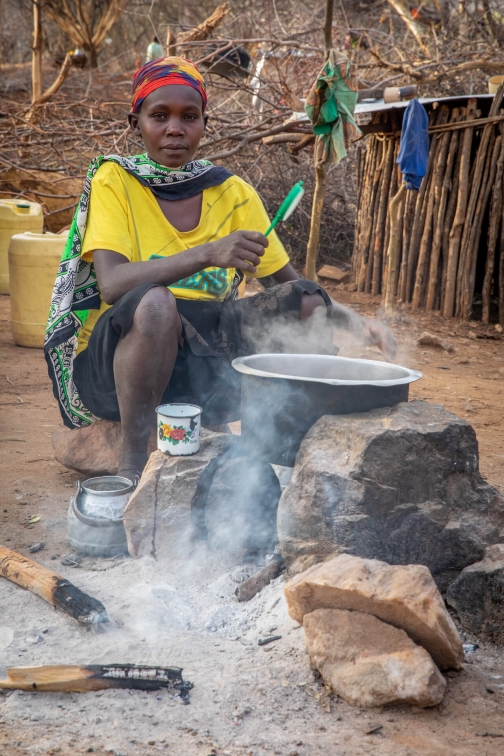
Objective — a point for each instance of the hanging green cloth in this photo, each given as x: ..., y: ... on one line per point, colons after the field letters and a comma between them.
x: 330, y: 107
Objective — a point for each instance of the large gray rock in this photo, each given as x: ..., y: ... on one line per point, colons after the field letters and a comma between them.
x: 370, y: 663
x: 477, y: 595
x: 400, y: 484
x: 157, y: 517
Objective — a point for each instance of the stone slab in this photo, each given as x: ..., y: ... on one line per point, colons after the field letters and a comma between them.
x: 404, y: 596
x: 370, y: 663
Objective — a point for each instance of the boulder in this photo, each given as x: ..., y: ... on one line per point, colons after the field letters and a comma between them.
x: 400, y: 484
x: 157, y: 517
x: 477, y: 595
x: 403, y: 596
x: 370, y: 663
x: 92, y: 451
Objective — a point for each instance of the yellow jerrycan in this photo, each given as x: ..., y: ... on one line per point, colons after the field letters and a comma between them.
x: 16, y: 216
x: 33, y: 264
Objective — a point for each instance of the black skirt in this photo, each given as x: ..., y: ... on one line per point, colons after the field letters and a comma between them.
x: 214, y: 333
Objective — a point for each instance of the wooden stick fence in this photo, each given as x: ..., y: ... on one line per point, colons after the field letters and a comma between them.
x: 441, y: 246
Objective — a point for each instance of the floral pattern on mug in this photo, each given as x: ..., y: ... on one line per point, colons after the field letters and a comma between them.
x: 175, y: 434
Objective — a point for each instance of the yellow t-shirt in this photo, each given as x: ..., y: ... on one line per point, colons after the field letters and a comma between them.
x: 124, y: 216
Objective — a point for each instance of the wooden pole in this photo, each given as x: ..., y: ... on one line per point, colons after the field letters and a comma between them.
x: 460, y: 214
x: 320, y: 170
x: 51, y: 587
x: 493, y: 232
x: 445, y: 167
x: 328, y: 27
x: 317, y: 207
x: 37, y: 51
x: 464, y: 306
x: 379, y: 236
x: 396, y: 204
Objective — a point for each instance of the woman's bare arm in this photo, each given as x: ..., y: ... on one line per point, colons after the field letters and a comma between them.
x: 116, y: 275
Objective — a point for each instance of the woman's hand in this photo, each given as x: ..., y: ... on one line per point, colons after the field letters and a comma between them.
x: 241, y: 249
x: 370, y: 332
x: 376, y: 333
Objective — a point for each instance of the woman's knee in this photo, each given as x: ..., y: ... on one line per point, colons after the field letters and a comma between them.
x: 157, y: 312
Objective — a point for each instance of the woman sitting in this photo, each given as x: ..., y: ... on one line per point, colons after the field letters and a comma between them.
x: 145, y: 307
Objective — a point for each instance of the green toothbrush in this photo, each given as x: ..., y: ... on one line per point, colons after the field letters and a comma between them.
x: 288, y: 205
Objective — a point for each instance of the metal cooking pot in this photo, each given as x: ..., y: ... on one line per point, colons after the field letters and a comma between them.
x: 283, y: 395
x: 95, y: 524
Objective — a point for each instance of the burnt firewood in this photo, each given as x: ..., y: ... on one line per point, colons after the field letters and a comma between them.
x: 51, y: 587
x: 260, y: 580
x: 73, y: 678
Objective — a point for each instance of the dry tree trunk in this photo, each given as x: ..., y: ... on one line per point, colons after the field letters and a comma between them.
x: 439, y: 146
x: 409, y: 212
x: 450, y: 143
x: 317, y: 206
x: 493, y: 232
x: 501, y: 271
x: 396, y: 210
x: 460, y: 214
x: 381, y: 219
x: 37, y: 51
x: 465, y: 276
x: 465, y: 302
x: 320, y: 169
x: 419, y: 218
x: 373, y: 211
x: 367, y: 202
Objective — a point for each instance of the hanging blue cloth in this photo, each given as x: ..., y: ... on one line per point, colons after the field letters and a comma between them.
x: 414, y: 149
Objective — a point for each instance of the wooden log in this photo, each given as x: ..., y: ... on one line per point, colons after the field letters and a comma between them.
x: 465, y: 277
x: 433, y: 193
x: 367, y: 198
x: 51, y: 587
x: 367, y: 269
x: 450, y: 215
x: 316, y: 218
x: 73, y: 678
x: 460, y: 212
x: 493, y: 232
x: 395, y: 180
x: 419, y: 219
x: 501, y: 271
x: 409, y: 213
x: 382, y: 219
x: 466, y: 299
x: 396, y: 208
x: 260, y: 580
x: 446, y: 163
x: 378, y: 192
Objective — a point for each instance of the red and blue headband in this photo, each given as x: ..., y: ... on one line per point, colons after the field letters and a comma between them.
x: 162, y: 73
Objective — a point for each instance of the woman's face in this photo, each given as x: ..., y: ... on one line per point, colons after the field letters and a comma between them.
x: 171, y: 124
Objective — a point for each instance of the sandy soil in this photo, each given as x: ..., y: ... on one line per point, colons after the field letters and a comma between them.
x: 247, y: 699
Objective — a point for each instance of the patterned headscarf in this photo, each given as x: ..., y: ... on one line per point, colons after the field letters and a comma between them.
x: 161, y: 73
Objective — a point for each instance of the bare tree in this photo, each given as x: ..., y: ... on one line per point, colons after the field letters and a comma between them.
x: 87, y: 22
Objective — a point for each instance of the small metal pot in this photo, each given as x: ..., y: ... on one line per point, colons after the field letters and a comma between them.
x: 95, y: 524
x: 283, y: 395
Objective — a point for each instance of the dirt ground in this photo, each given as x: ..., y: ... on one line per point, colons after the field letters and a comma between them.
x: 247, y: 699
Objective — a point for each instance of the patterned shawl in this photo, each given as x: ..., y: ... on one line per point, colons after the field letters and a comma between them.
x: 76, y: 290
